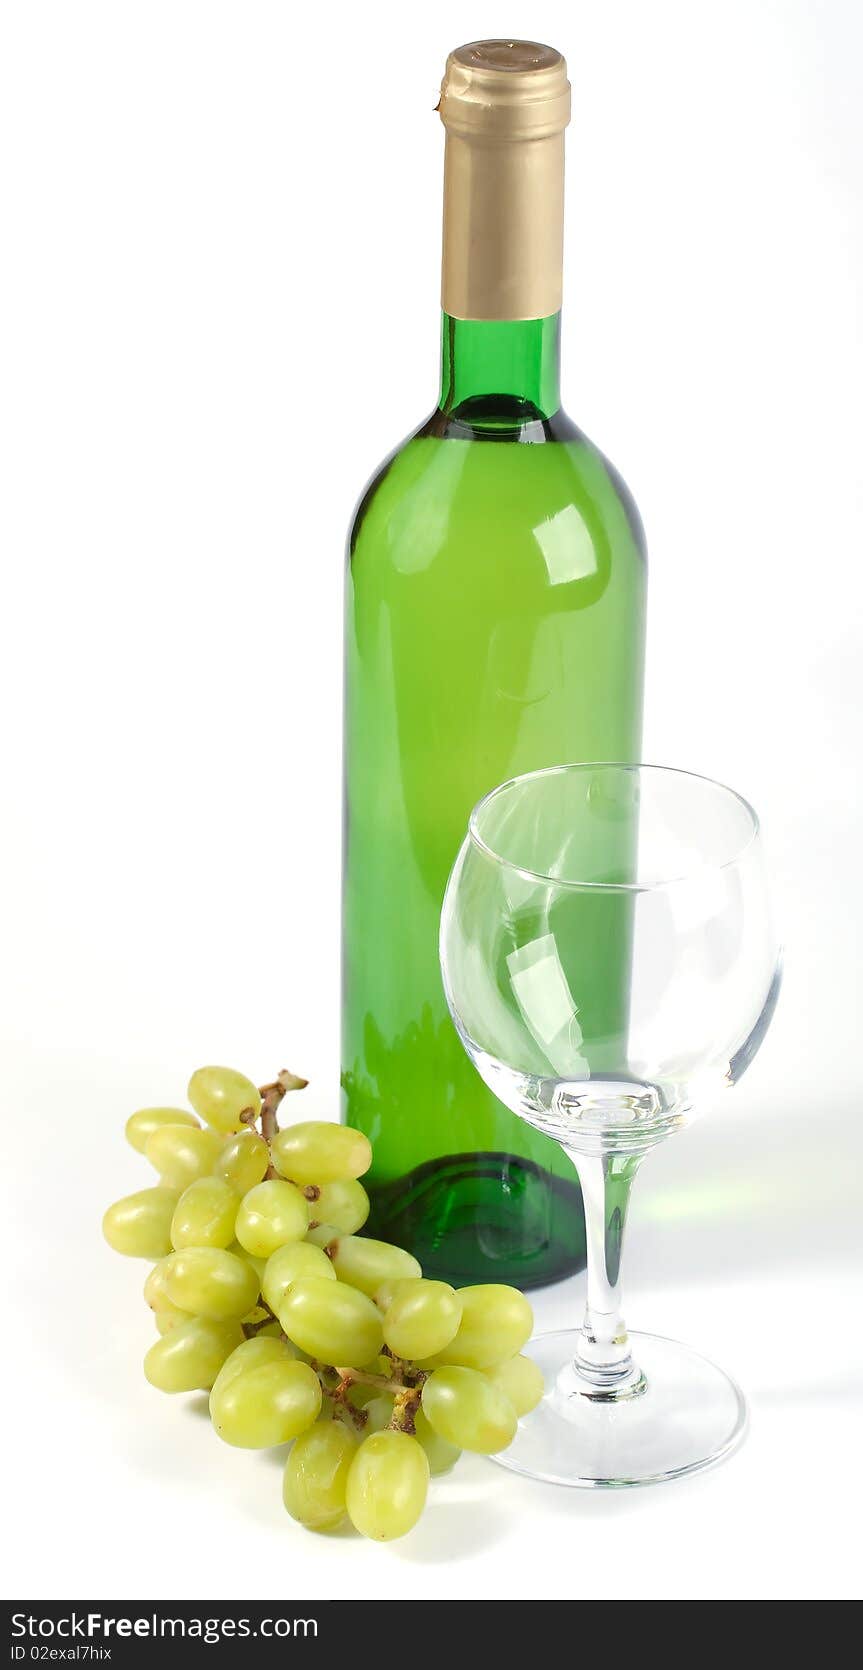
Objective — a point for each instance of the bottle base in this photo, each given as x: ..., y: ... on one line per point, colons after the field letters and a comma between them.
x: 483, y: 1218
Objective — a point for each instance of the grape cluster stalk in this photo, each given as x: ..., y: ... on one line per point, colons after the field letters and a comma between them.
x: 302, y: 1330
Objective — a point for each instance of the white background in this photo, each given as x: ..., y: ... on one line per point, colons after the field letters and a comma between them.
x: 219, y: 310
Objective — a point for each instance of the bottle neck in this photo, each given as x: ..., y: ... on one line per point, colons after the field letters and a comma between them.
x: 500, y: 373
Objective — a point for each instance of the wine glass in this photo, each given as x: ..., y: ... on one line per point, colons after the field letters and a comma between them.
x: 610, y: 962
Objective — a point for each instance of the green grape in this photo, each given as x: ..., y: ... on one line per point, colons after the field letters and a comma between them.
x: 221, y: 1096
x: 320, y: 1234
x: 463, y: 1407
x: 258, y: 1313
x: 287, y: 1264
x: 139, y: 1225
x: 168, y: 1316
x: 266, y: 1401
x: 141, y: 1125
x: 269, y: 1345
x: 243, y: 1161
x: 496, y: 1322
x: 387, y: 1485
x: 365, y: 1263
x: 316, y: 1152
x: 259, y: 1265
x: 208, y: 1281
x: 331, y: 1321
x: 270, y: 1215
x: 520, y: 1379
x: 379, y: 1411
x: 165, y: 1314
x: 360, y: 1396
x: 205, y: 1214
x: 421, y: 1318
x: 316, y: 1475
x: 180, y: 1154
x: 155, y: 1290
x: 384, y: 1295
x: 344, y: 1205
x: 379, y: 1365
x: 189, y: 1358
x: 440, y: 1455
x: 251, y: 1354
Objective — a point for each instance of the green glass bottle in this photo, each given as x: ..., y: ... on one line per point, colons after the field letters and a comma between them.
x: 494, y: 624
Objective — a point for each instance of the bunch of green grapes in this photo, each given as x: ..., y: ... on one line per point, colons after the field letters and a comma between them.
x: 301, y: 1329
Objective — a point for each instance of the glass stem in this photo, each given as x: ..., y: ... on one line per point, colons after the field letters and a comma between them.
x: 603, y: 1361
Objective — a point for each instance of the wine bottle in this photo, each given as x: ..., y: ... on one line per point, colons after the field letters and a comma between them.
x: 495, y: 609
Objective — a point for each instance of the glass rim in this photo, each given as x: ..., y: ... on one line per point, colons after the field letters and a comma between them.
x: 621, y: 766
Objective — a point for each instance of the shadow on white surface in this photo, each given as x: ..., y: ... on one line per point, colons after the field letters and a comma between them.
x: 467, y: 1512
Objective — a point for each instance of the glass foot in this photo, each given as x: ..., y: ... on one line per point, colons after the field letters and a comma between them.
x: 689, y: 1415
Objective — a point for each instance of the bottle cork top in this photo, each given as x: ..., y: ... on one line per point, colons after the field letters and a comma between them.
x: 505, y: 90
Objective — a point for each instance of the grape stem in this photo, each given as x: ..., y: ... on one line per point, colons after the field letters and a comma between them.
x: 271, y: 1096
x: 406, y: 1383
x: 406, y: 1398
x: 405, y: 1408
x: 250, y: 1329
x: 358, y: 1377
x: 338, y: 1396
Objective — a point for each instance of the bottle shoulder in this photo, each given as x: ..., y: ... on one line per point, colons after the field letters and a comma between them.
x: 446, y: 474
x: 378, y: 477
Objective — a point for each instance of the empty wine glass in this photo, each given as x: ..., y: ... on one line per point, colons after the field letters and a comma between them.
x: 610, y: 962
